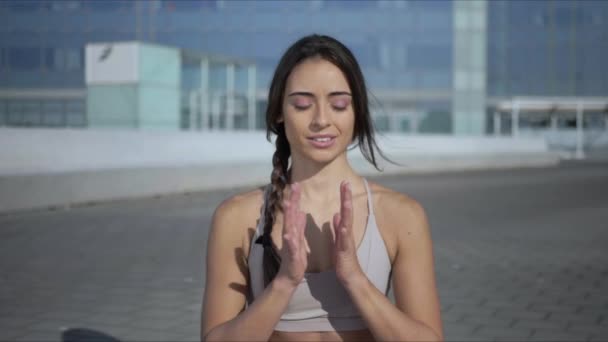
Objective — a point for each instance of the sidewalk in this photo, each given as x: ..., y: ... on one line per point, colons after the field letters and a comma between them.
x: 520, y: 255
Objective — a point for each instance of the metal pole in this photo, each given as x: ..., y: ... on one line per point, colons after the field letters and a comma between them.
x: 580, y: 154
x: 497, y: 123
x: 553, y: 123
x: 192, y: 109
x: 392, y: 120
x: 204, y: 106
x: 216, y: 108
x: 230, y: 97
x: 414, y: 122
x: 251, y: 84
x: 515, y: 119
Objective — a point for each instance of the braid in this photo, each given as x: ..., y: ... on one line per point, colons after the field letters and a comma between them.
x: 278, y: 180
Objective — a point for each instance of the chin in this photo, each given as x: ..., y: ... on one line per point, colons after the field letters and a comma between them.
x: 322, y: 157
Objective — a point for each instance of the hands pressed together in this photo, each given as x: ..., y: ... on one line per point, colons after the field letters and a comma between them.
x: 295, y: 250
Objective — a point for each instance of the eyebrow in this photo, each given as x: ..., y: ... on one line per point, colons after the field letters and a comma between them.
x: 307, y: 94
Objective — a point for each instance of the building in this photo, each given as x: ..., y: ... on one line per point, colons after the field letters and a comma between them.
x: 433, y: 66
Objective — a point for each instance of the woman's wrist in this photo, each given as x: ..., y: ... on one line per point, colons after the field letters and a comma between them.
x: 283, y: 286
x: 354, y: 281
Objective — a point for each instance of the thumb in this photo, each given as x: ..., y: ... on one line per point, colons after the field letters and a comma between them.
x: 339, y: 240
x: 337, y: 222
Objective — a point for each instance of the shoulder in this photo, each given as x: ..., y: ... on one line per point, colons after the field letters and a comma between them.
x: 237, y: 215
x: 240, y: 205
x: 402, y: 217
x: 391, y: 203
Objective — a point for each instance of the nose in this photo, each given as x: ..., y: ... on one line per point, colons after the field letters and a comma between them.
x: 321, y: 118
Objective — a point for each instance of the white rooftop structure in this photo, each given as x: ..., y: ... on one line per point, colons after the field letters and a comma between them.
x: 554, y: 107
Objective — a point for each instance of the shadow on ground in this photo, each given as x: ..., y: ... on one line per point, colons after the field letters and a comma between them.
x: 86, y: 335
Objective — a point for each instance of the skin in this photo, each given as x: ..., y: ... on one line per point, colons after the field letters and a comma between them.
x: 322, y: 224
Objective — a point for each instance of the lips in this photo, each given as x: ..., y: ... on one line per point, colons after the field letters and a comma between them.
x: 322, y: 141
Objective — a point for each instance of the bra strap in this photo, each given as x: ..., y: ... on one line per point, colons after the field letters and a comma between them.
x: 370, y: 205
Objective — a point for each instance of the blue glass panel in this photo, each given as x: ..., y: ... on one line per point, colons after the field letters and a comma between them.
x: 429, y: 56
x: 24, y: 5
x: 24, y: 58
x: 108, y: 5
x: 431, y: 5
x: 367, y: 54
x: 108, y: 21
x: 348, y: 4
x: 436, y: 80
x: 187, y: 5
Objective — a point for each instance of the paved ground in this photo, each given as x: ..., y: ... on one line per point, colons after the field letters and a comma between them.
x: 521, y: 255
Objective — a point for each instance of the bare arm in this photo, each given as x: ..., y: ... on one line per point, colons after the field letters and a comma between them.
x: 416, y: 316
x: 223, y: 317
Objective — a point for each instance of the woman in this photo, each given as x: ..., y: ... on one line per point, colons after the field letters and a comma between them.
x: 310, y: 257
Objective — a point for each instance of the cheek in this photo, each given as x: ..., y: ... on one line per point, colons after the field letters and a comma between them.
x: 346, y: 121
x: 291, y: 127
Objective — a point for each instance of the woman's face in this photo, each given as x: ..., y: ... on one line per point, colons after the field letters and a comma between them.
x: 317, y: 111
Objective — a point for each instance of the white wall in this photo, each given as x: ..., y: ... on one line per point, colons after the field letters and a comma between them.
x: 36, y: 151
x: 55, y: 167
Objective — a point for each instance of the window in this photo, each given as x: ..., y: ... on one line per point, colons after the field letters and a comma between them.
x: 187, y: 5
x: 65, y: 5
x: 424, y: 56
x: 24, y: 58
x: 63, y: 58
x: 108, y: 5
x: 24, y: 5
x: 431, y: 5
x: 346, y: 4
x: 366, y: 54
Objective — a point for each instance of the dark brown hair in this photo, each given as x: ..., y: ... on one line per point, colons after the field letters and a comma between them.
x: 335, y: 52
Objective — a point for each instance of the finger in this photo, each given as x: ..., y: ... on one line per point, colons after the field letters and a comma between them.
x: 338, y: 239
x: 336, y: 221
x: 294, y: 196
x: 294, y: 205
x: 302, y: 225
x: 287, y: 217
x: 291, y: 243
x: 346, y: 206
x: 306, y: 246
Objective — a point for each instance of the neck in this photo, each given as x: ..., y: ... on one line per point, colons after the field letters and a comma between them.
x: 321, y: 181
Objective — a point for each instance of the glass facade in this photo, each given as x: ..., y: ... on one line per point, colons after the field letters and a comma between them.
x: 406, y: 47
x: 547, y: 48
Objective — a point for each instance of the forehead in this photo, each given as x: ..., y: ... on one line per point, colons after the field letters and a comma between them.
x: 316, y: 75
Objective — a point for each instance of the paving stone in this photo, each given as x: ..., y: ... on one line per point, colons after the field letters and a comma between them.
x: 577, y: 318
x: 506, y: 333
x: 537, y: 324
x: 8, y: 334
x: 521, y: 314
x: 16, y: 322
x: 37, y: 336
x: 153, y: 324
x: 152, y: 336
x: 593, y: 329
x: 553, y: 335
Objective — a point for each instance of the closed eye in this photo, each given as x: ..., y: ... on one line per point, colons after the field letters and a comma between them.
x: 301, y: 107
x: 340, y: 105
